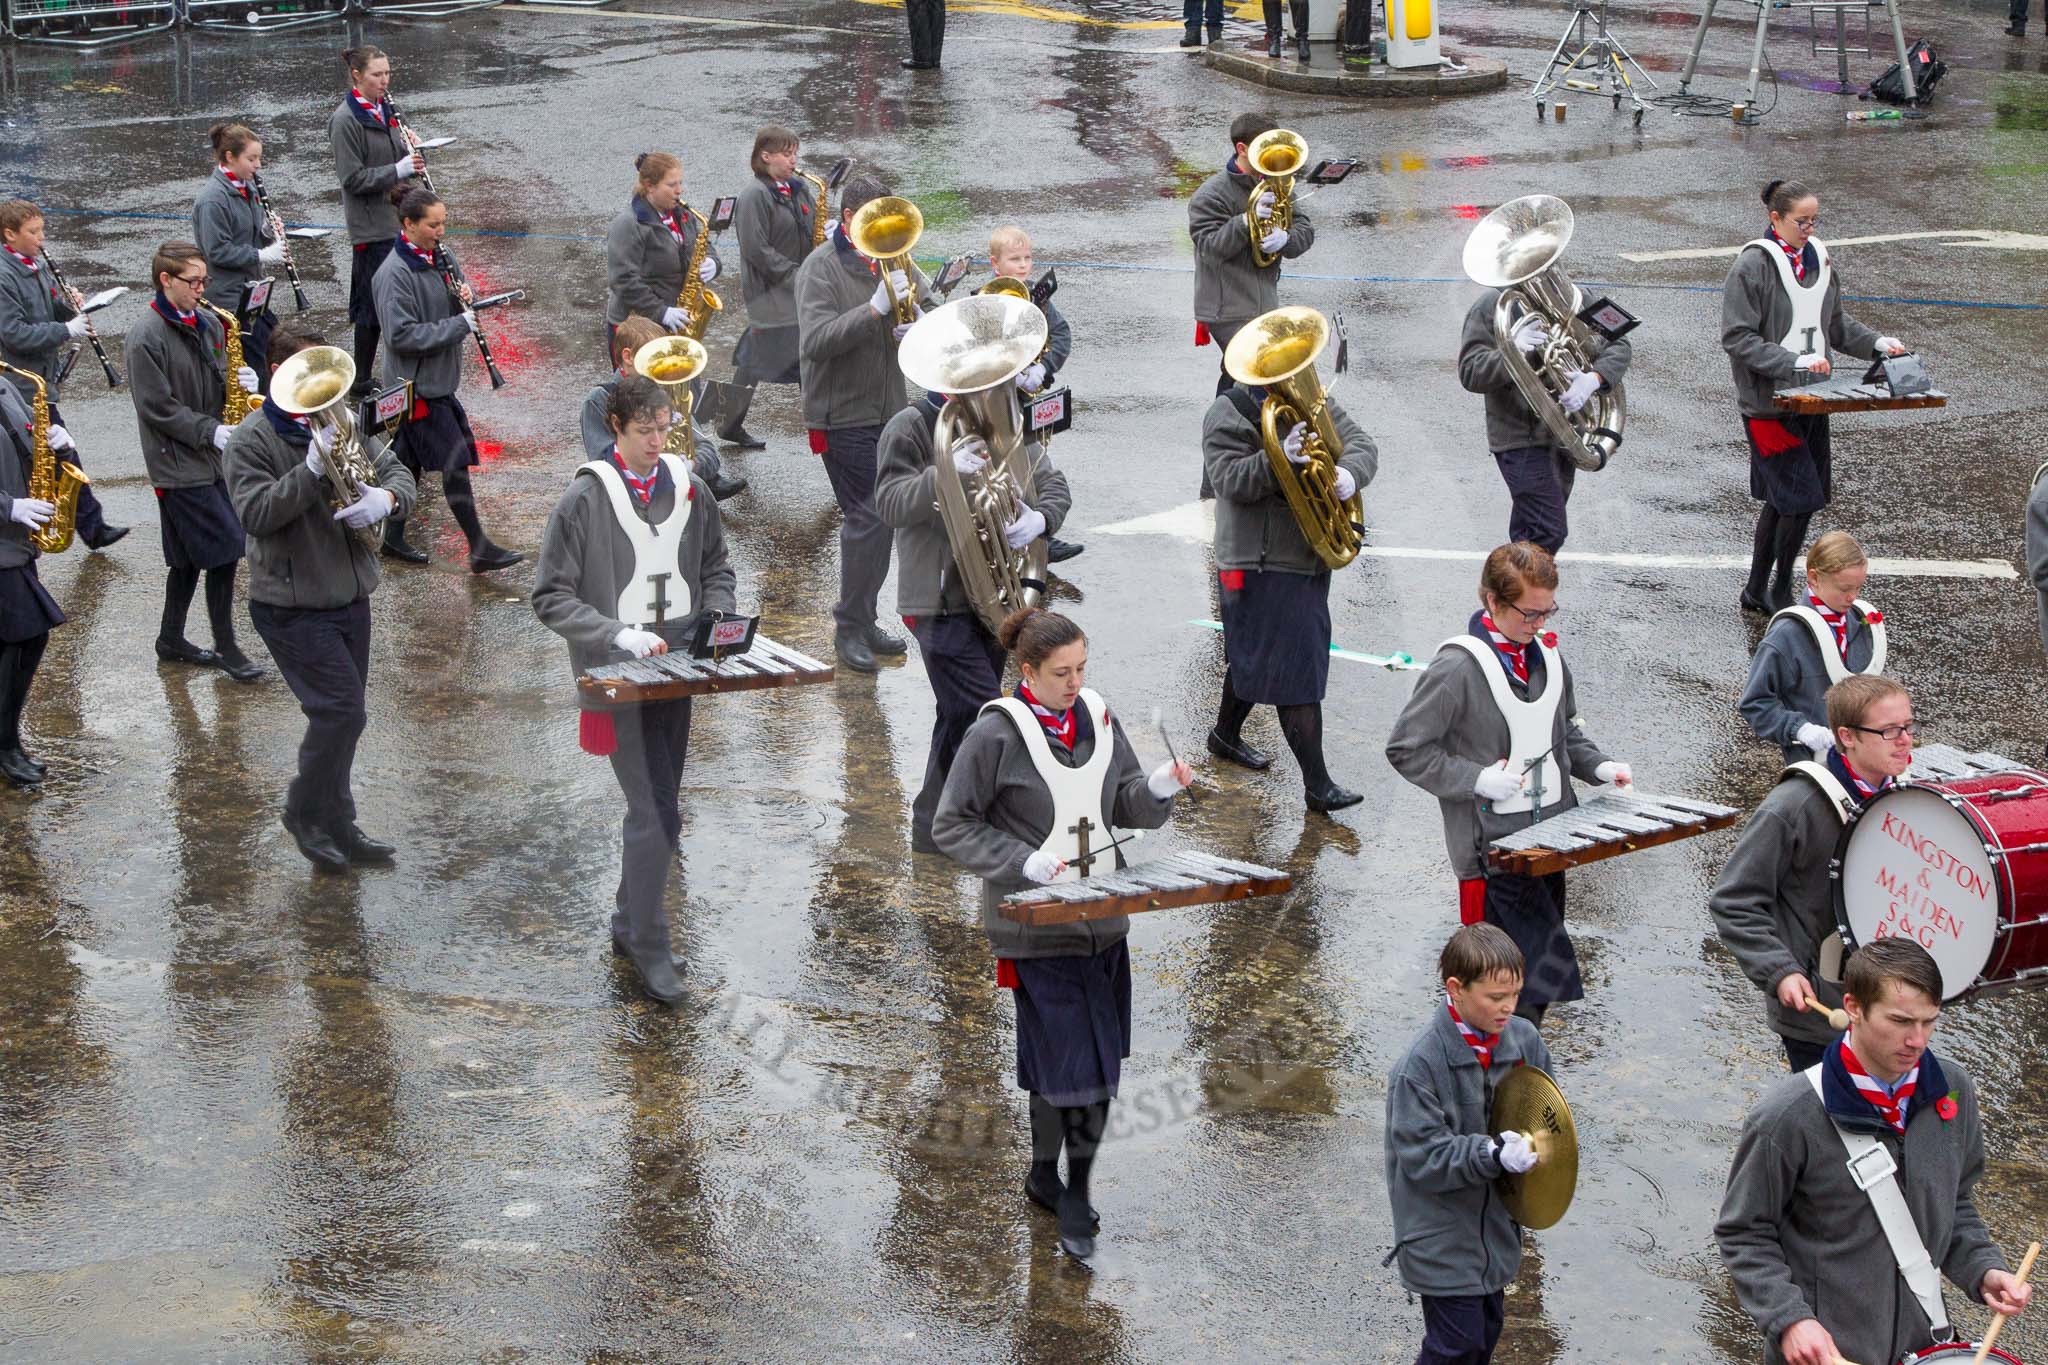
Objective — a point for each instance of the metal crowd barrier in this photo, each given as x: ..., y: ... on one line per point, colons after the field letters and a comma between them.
x: 92, y: 23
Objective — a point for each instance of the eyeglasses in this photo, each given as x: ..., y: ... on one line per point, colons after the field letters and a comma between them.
x: 201, y: 280
x: 1535, y: 618
x: 1890, y: 734
x: 1807, y: 224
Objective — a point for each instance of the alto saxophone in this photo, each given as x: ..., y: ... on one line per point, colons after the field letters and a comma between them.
x: 818, y: 212
x: 57, y: 483
x: 697, y: 299
x: 235, y: 404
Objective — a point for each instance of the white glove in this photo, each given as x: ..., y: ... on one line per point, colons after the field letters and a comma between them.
x: 1164, y: 781
x: 1496, y: 784
x: 900, y: 330
x: 675, y: 319
x: 1531, y: 334
x: 1818, y: 738
x: 60, y: 439
x: 469, y: 317
x: 77, y: 326
x: 371, y: 506
x: 1890, y: 345
x: 1515, y: 1154
x: 1264, y: 208
x: 323, y: 440
x: 970, y: 453
x: 1346, y: 485
x: 707, y: 269
x: 246, y: 378
x: 636, y: 642
x: 879, y: 300
x: 1043, y: 867
x: 1580, y: 391
x: 313, y: 460
x: 403, y: 169
x: 1293, y: 441
x: 1617, y: 773
x: 1029, y: 526
x: 1812, y: 360
x: 31, y: 512
x: 220, y: 436
x: 1273, y: 241
x: 1031, y: 378
x: 272, y: 254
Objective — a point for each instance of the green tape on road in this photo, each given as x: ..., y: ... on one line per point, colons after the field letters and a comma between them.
x: 1393, y: 663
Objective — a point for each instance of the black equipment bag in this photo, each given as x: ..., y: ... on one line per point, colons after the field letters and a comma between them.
x: 1928, y: 69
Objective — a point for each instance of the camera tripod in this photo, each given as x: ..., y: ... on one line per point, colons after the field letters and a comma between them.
x: 1604, y: 63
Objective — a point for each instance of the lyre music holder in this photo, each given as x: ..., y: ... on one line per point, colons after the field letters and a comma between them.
x: 1604, y: 63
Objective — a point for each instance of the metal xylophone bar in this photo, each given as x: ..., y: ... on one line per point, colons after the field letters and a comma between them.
x: 1175, y: 872
x: 1610, y: 817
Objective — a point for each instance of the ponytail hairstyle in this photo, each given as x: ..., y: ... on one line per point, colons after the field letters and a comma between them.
x: 1513, y: 569
x: 1031, y: 634
x: 414, y: 204
x: 1780, y: 195
x: 358, y: 59
x: 230, y: 139
x: 773, y: 137
x: 654, y: 167
x: 1832, y: 553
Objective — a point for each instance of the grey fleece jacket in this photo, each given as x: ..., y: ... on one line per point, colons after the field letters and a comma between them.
x: 1801, y: 1241
x: 16, y: 452
x: 32, y: 318
x: 995, y: 812
x: 1452, y: 1235
x: 423, y: 328
x: 1255, y: 529
x: 364, y: 162
x: 1774, y: 904
x: 177, y: 379
x: 1228, y: 286
x: 643, y: 262
x: 1755, y: 313
x: 1511, y: 424
x: 1788, y: 681
x: 2037, y: 547
x: 774, y: 232
x: 847, y: 351
x: 906, y: 497
x: 299, y: 555
x: 230, y: 230
x: 585, y: 559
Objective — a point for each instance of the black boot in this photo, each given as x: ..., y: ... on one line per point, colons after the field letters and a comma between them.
x: 1193, y: 36
x: 1226, y: 737
x: 1215, y: 33
x: 852, y: 649
x: 1042, y: 1187
x: 1300, y: 13
x: 1273, y: 28
x: 732, y: 422
x: 395, y: 544
x: 1763, y: 543
x: 657, y: 973
x: 1084, y: 1128
x: 16, y: 768
x: 1790, y: 536
x: 2017, y: 28
x: 366, y: 361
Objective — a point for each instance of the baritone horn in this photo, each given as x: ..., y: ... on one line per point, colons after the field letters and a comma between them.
x: 884, y: 230
x: 1516, y: 249
x: 674, y: 363
x: 314, y: 384
x: 1276, y: 157
x: 1277, y: 352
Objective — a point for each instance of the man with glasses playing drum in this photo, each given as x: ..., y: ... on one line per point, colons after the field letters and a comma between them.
x: 1774, y: 904
x: 1850, y: 1194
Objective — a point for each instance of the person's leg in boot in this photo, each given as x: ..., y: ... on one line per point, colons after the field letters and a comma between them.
x: 1226, y: 737
x: 171, y: 644
x: 367, y: 340
x: 1763, y: 547
x: 1214, y: 15
x: 396, y: 546
x: 1300, y: 9
x: 1084, y: 1127
x: 220, y: 614
x: 1042, y: 1186
x: 1303, y: 727
x: 324, y: 679
x: 1273, y: 9
x: 640, y: 925
x: 1191, y: 22
x: 1791, y: 534
x: 18, y: 663
x: 864, y: 543
x: 732, y: 422
x: 485, y: 555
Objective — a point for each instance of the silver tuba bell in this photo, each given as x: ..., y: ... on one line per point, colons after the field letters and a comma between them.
x: 971, y: 350
x: 314, y: 384
x: 1515, y: 249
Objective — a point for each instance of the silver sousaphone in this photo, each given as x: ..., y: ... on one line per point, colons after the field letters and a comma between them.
x: 972, y: 350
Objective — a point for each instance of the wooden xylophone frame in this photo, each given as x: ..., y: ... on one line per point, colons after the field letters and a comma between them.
x: 1604, y: 826
x: 1835, y: 396
x: 666, y: 677
x: 1156, y: 884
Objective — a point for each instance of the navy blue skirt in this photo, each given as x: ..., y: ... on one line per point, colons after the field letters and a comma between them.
x: 1073, y: 1025
x: 26, y: 608
x: 362, y: 304
x: 437, y: 436
x: 767, y: 355
x: 1276, y: 635
x: 1531, y: 911
x: 1791, y: 462
x: 201, y: 530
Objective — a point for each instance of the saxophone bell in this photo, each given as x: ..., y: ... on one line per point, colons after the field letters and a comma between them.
x: 50, y: 480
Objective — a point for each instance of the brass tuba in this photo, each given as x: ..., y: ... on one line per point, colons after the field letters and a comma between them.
x: 884, y: 230
x: 49, y: 480
x: 674, y: 363
x: 235, y: 404
x: 1276, y: 157
x: 697, y: 299
x: 971, y: 350
x: 1277, y: 351
x: 314, y: 384
x: 1515, y: 249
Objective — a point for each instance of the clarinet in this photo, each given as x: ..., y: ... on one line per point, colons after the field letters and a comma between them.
x: 99, y: 348
x: 426, y: 177
x: 451, y: 275
x: 291, y: 268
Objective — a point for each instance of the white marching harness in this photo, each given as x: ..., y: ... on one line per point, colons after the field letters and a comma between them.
x: 657, y: 593
x: 1833, y: 953
x: 1824, y: 636
x: 1079, y: 795
x: 1809, y: 332
x: 1532, y: 724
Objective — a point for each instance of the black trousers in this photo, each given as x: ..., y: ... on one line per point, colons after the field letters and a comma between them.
x: 864, y: 538
x: 653, y: 741
x: 927, y: 29
x: 965, y: 666
x: 1801, y: 1054
x: 1539, y: 479
x: 324, y: 656
x: 1461, y: 1329
x: 1357, y: 25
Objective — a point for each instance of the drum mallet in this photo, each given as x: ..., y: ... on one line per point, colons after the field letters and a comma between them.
x: 1838, y: 1020
x: 2026, y: 1267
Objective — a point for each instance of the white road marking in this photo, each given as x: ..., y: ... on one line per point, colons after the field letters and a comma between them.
x: 1982, y: 238
x: 497, y: 1245
x: 507, y: 1092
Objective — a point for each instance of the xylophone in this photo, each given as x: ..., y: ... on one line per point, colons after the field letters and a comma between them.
x: 1849, y: 393
x: 1603, y: 826
x: 1185, y: 878
x: 665, y: 677
x: 1941, y: 763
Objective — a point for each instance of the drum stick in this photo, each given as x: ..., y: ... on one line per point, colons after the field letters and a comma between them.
x: 2026, y: 1268
x: 1838, y: 1020
x: 1160, y: 725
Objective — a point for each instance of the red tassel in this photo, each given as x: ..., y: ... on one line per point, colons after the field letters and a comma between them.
x: 596, y: 734
x: 1201, y: 334
x: 1772, y: 437
x: 1472, y: 900
x: 419, y: 409
x: 1231, y: 579
x: 817, y: 441
x: 1006, y: 975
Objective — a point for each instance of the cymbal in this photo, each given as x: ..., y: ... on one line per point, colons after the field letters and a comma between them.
x: 1529, y: 1102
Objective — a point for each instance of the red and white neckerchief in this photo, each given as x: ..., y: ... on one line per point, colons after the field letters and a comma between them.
x: 1837, y: 621
x: 643, y: 488
x: 1798, y: 255
x: 1517, y: 655
x: 675, y: 229
x: 1481, y: 1045
x: 375, y: 111
x: 425, y: 258
x: 236, y: 185
x: 28, y: 263
x: 1893, y: 1105
x: 169, y: 311
x: 782, y: 188
x: 1864, y: 791
x: 1060, y: 727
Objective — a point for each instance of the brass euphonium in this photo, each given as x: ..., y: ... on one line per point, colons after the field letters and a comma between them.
x: 674, y: 363
x: 1515, y: 249
x: 970, y: 350
x: 884, y: 230
x: 49, y: 480
x: 697, y: 299
x: 314, y: 384
x: 235, y: 404
x: 1277, y: 351
x: 1276, y: 157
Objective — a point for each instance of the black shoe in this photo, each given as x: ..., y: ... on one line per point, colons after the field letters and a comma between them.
x: 921, y: 841
x: 1779, y: 597
x: 882, y: 642
x: 619, y: 949
x: 1301, y: 49
x: 1238, y: 752
x: 397, y: 547
x: 2017, y: 28
x: 16, y: 768
x: 318, y: 846
x: 1193, y: 36
x: 492, y: 557
x: 1332, y: 797
x: 744, y: 439
x: 913, y: 64
x: 1077, y: 1226
x: 725, y: 486
x: 360, y: 849
x: 1215, y: 34
x: 1750, y: 602
x: 107, y: 536
x: 240, y: 666
x: 657, y: 973
x: 364, y: 387
x: 854, y: 653
x: 1059, y: 551
x: 1272, y: 45
x: 185, y: 652
x: 42, y: 768
x: 1047, y: 1197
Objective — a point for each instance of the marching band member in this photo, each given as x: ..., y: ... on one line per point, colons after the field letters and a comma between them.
x: 1850, y: 1195
x: 1774, y: 904
x: 629, y: 518
x: 648, y: 247
x: 425, y: 329
x: 372, y: 157
x: 36, y: 322
x: 1811, y: 647
x: 1538, y: 473
x: 235, y: 234
x: 628, y: 338
x: 310, y: 582
x: 774, y: 221
x: 963, y: 662
x: 1009, y: 257
x: 27, y: 611
x: 1781, y: 312
x: 2037, y: 546
x: 1230, y: 289
x: 1298, y: 12
x: 1493, y: 732
x: 1035, y: 775
x: 1276, y: 591
x: 851, y: 387
x: 178, y: 380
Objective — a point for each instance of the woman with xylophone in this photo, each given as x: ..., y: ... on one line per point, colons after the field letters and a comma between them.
x: 1493, y: 732
x: 1039, y: 783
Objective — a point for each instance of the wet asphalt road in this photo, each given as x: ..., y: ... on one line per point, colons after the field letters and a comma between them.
x: 420, y: 1114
